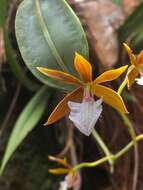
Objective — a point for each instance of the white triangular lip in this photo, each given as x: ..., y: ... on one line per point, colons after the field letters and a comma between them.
x: 85, y: 115
x: 139, y: 80
x: 63, y: 185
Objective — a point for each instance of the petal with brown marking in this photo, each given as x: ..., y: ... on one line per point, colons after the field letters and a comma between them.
x: 132, y: 75
x: 110, y: 75
x: 132, y: 57
x: 59, y: 75
x: 62, y: 108
x: 83, y: 67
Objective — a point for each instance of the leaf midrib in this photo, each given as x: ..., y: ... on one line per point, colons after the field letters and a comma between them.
x: 48, y: 38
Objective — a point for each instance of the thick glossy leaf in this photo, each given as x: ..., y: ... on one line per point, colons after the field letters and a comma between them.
x: 16, y: 68
x: 27, y: 120
x: 49, y: 34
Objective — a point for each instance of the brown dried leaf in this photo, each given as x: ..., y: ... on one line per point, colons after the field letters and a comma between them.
x: 103, y: 18
x: 2, y: 49
x: 130, y: 5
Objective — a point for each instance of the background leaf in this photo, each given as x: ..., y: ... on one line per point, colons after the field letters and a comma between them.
x: 118, y: 2
x: 48, y: 34
x: 16, y: 68
x: 2, y: 11
x: 26, y: 122
x: 132, y: 29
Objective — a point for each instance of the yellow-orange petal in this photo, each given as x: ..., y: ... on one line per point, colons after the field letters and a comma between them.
x: 59, y: 75
x: 140, y: 58
x: 110, y: 97
x: 62, y: 108
x: 132, y: 57
x: 110, y: 75
x: 59, y: 171
x: 83, y: 67
x: 132, y: 75
x: 59, y: 160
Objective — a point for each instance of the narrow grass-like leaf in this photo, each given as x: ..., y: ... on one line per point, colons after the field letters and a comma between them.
x: 49, y: 33
x: 27, y: 120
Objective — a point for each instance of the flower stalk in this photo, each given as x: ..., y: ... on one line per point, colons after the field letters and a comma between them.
x: 104, y: 149
x: 113, y: 156
x: 132, y: 133
x: 122, y: 86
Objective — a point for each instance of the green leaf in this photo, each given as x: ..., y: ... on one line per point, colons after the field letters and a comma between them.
x: 49, y: 33
x: 2, y: 11
x: 131, y: 29
x: 27, y: 120
x: 16, y: 68
x: 118, y: 2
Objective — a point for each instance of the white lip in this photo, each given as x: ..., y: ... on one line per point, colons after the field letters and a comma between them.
x: 85, y: 115
x: 139, y: 81
x: 63, y: 185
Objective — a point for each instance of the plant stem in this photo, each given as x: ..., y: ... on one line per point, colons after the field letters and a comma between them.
x: 113, y: 156
x: 104, y: 148
x: 132, y: 133
x: 122, y: 86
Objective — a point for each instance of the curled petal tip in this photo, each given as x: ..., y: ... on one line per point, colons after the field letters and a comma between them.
x: 38, y: 68
x: 126, y: 45
x: 46, y: 124
x: 126, y: 111
x: 125, y: 67
x: 77, y: 54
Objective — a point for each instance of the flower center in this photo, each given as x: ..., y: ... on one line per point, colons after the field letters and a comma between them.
x: 87, y: 97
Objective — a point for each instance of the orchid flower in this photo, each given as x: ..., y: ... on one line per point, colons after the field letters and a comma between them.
x: 136, y: 67
x: 72, y: 178
x: 83, y: 110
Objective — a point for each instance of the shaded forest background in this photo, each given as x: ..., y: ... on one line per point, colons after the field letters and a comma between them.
x: 107, y: 25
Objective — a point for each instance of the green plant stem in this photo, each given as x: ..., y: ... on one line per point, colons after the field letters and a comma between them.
x: 124, y: 117
x: 129, y: 125
x: 132, y: 133
x: 113, y: 156
x: 104, y: 149
x: 122, y: 86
